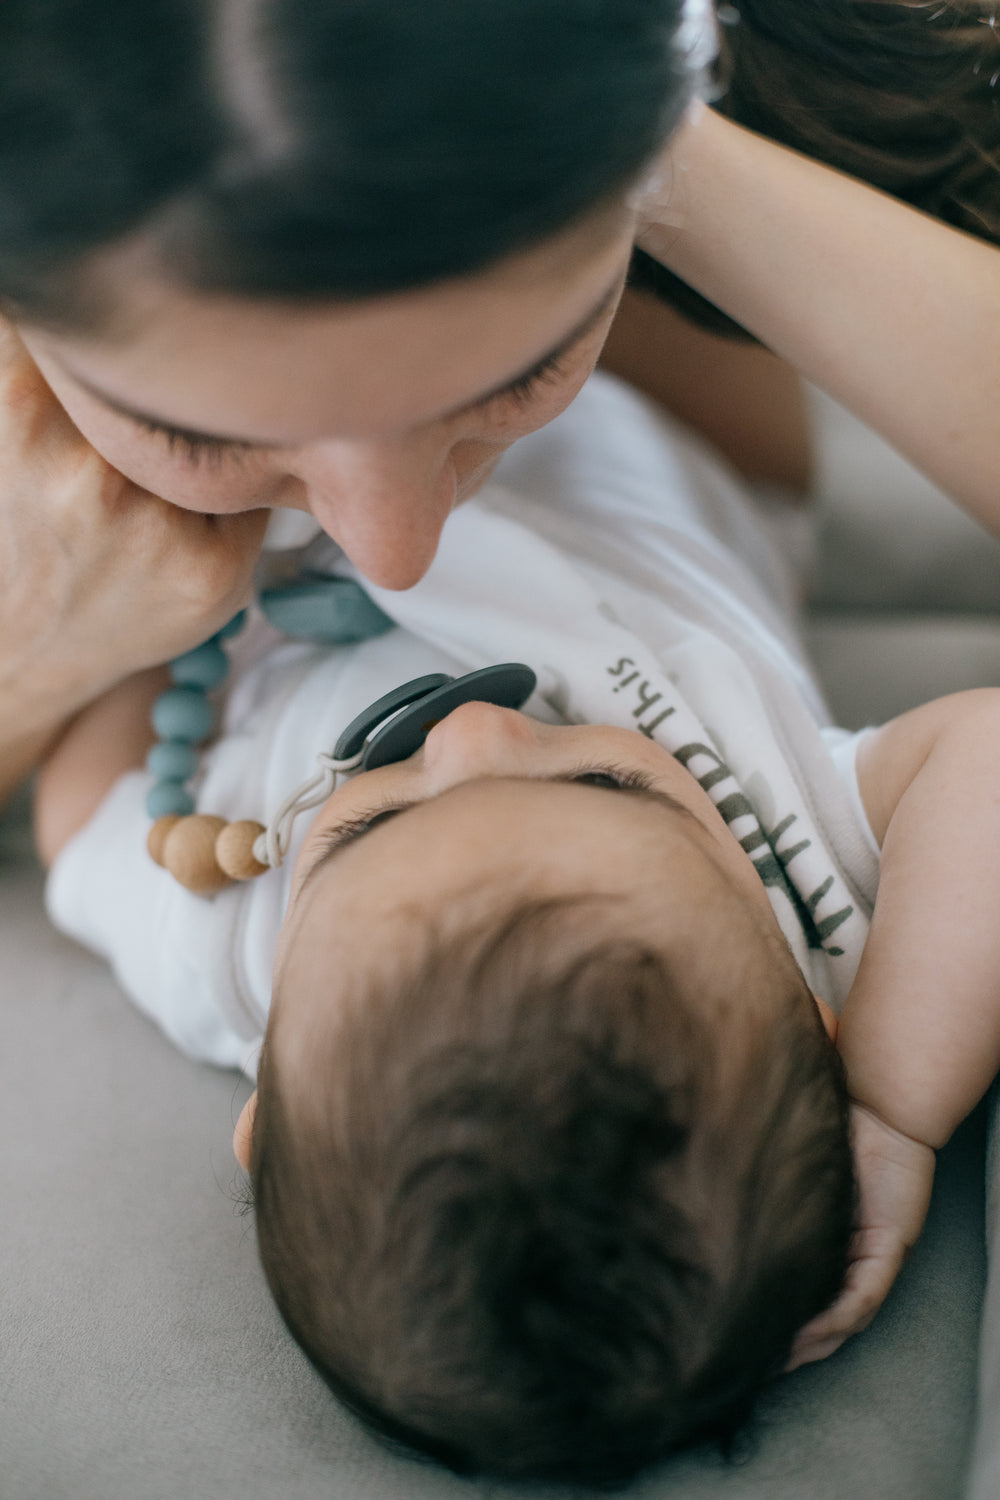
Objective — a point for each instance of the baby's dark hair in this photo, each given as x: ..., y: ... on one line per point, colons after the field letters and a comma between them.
x: 556, y: 1217
x: 904, y: 94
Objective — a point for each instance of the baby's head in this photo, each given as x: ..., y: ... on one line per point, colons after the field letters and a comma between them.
x: 550, y: 1160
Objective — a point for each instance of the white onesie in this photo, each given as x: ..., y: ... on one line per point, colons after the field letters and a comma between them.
x: 620, y: 560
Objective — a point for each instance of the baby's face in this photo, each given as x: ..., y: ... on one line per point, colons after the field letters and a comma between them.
x: 563, y: 804
x: 494, y: 808
x: 496, y: 799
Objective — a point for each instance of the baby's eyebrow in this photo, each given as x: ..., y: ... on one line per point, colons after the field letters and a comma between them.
x: 350, y: 832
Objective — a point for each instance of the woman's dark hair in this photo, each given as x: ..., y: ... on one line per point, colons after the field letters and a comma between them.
x: 301, y: 148
x: 556, y: 1218
x: 904, y: 94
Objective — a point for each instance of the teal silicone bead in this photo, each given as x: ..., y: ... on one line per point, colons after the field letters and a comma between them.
x: 234, y: 627
x: 169, y: 797
x: 172, y: 760
x: 204, y: 667
x: 182, y: 713
x: 332, y: 611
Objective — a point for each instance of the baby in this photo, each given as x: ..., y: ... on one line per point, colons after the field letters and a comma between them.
x: 550, y: 1148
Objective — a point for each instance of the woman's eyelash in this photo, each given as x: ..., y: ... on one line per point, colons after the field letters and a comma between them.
x: 192, y: 448
x: 521, y: 391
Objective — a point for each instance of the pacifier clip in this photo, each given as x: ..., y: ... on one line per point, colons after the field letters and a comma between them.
x: 205, y: 853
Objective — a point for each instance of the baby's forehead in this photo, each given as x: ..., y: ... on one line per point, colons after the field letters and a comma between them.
x: 347, y: 964
x: 461, y: 857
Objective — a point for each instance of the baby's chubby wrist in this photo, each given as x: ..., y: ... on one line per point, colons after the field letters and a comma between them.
x: 895, y: 1173
x: 894, y: 1089
x: 26, y: 734
x: 872, y: 1119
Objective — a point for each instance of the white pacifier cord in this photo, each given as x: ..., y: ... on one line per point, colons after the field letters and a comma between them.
x: 271, y: 846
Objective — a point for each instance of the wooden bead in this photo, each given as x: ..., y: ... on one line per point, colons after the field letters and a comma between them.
x: 158, y: 836
x: 189, y: 853
x: 234, y: 850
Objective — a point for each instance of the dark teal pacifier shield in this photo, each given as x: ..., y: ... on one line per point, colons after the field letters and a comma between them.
x: 358, y: 730
x: 397, y: 725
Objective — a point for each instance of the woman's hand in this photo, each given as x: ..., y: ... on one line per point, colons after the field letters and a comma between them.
x: 895, y: 1176
x: 98, y: 578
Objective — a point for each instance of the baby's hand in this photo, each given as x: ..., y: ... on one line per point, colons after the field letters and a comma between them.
x: 895, y: 1175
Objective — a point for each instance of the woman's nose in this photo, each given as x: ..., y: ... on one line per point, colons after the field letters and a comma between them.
x: 476, y: 740
x: 385, y: 504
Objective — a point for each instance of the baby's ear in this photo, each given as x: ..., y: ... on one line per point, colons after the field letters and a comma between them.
x: 243, y: 1134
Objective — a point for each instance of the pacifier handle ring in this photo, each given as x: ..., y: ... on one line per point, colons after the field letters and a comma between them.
x: 271, y: 846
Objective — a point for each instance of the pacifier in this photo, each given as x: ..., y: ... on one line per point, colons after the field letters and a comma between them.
x: 206, y: 853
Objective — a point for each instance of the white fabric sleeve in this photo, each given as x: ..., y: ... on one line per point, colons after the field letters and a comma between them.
x: 843, y: 745
x: 161, y: 941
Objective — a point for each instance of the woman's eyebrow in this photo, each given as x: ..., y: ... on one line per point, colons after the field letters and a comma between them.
x: 195, y: 435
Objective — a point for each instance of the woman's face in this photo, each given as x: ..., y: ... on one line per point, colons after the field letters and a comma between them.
x: 376, y: 416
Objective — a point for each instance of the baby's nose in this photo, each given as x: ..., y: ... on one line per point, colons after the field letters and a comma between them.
x: 479, y: 739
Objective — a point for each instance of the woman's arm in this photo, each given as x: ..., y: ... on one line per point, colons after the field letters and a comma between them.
x: 98, y: 579
x: 895, y: 314
x: 748, y: 403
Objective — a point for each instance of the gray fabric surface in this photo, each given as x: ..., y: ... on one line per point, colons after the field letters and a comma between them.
x: 985, y: 1468
x: 888, y: 541
x: 140, y: 1357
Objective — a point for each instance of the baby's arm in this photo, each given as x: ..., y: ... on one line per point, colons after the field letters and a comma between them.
x: 107, y: 739
x: 920, y: 1031
x: 894, y: 313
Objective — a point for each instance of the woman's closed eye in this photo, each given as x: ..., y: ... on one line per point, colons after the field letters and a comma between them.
x: 201, y: 450
x: 523, y: 390
x: 195, y: 448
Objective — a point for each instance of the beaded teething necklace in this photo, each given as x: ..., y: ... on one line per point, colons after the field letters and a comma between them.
x: 205, y: 853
